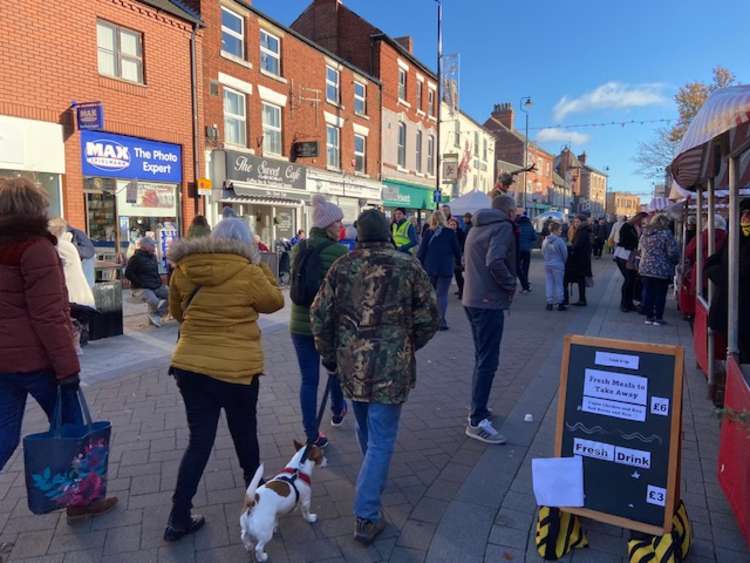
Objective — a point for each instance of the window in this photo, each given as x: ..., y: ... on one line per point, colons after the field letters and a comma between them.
x: 402, y: 145
x: 420, y: 86
x: 476, y: 143
x: 484, y: 151
x: 332, y: 85
x: 272, y: 142
x: 235, y: 128
x: 360, y: 162
x: 270, y: 53
x: 232, y: 33
x: 120, y: 52
x: 360, y: 98
x: 431, y: 102
x: 333, y: 137
x: 457, y: 135
x: 402, y: 84
x: 431, y: 154
x: 419, y: 151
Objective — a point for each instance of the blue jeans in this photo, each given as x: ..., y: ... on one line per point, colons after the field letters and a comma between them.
x: 487, y: 330
x: 442, y: 285
x: 14, y: 388
x: 555, y: 285
x: 377, y: 429
x: 309, y: 365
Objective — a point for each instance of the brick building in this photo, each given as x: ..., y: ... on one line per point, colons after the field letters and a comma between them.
x: 593, y: 187
x: 623, y: 204
x: 409, y: 104
x: 132, y: 173
x: 509, y: 147
x: 285, y: 119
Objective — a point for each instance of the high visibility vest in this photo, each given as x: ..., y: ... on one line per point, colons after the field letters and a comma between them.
x: 400, y: 233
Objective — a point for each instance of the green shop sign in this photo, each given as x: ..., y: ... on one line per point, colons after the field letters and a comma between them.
x: 399, y: 194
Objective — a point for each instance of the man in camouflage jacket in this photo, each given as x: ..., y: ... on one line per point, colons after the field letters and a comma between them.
x: 375, y: 309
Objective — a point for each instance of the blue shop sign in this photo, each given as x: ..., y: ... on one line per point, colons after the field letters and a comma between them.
x: 118, y: 156
x: 90, y: 115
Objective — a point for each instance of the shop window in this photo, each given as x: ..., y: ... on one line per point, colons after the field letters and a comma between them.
x: 402, y: 84
x: 270, y: 53
x: 360, y: 98
x: 120, y: 52
x: 232, y: 34
x: 235, y: 124
x: 272, y: 140
x: 50, y: 183
x: 332, y: 85
x: 402, y: 145
x: 360, y: 144
x: 431, y: 154
x: 419, y: 151
x: 333, y: 138
x: 420, y: 87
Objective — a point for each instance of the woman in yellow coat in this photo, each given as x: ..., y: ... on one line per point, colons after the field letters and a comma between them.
x: 217, y: 291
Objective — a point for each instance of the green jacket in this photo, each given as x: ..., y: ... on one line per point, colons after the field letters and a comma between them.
x: 375, y: 309
x: 300, y: 318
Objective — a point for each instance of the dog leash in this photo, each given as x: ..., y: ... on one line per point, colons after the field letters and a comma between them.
x: 321, y: 414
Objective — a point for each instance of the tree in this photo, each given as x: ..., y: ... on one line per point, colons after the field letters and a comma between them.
x: 655, y: 155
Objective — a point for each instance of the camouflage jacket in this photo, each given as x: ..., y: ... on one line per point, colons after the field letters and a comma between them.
x: 375, y: 309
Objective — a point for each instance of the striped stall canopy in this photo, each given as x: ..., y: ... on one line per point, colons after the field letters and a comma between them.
x: 727, y: 109
x: 658, y: 204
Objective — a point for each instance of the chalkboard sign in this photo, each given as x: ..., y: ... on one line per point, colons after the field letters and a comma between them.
x: 620, y: 409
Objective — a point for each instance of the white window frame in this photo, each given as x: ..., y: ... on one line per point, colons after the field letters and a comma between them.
x: 241, y: 118
x: 420, y: 93
x: 420, y: 140
x: 484, y: 149
x: 270, y: 53
x: 431, y: 155
x: 402, y: 85
x: 431, y: 101
x: 267, y: 127
x: 233, y: 33
x: 336, y: 148
x: 401, y: 156
x: 117, y: 54
x: 336, y: 85
x: 362, y: 154
x: 360, y: 99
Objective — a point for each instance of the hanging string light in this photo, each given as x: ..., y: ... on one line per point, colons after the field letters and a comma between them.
x: 604, y: 124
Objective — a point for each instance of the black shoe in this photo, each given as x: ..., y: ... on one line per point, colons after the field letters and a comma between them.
x: 580, y: 303
x: 173, y: 533
x: 550, y: 306
x: 366, y: 531
x: 443, y: 328
x: 562, y: 307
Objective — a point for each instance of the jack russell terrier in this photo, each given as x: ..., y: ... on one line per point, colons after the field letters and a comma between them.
x: 263, y: 505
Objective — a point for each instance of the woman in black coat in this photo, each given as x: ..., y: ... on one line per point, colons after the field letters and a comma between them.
x: 578, y: 266
x: 628, y: 244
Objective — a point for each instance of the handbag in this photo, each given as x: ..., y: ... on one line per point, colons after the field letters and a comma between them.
x: 67, y: 465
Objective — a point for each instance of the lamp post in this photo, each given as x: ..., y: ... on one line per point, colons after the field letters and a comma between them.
x: 525, y: 105
x: 437, y: 149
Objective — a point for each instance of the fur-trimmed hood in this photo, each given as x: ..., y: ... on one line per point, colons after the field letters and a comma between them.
x: 211, y: 261
x: 14, y: 228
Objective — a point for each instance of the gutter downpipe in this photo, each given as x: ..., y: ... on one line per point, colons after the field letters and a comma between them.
x: 196, y: 132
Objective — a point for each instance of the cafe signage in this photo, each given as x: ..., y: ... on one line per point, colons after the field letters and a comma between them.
x: 267, y: 172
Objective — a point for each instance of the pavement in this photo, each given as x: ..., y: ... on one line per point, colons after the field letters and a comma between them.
x: 449, y: 499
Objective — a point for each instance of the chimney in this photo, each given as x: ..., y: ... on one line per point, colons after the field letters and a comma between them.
x: 504, y: 114
x: 582, y: 158
x: 406, y: 42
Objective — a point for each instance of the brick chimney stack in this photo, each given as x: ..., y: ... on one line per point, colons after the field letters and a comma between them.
x: 582, y: 158
x: 504, y: 114
x: 406, y: 42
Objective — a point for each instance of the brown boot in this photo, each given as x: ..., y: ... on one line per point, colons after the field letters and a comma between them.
x: 365, y: 531
x: 94, y: 509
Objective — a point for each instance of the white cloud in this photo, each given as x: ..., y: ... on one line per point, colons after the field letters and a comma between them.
x: 551, y: 134
x: 612, y: 95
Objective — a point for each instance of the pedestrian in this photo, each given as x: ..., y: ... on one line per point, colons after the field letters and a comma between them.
x: 526, y: 243
x: 218, y: 290
x: 687, y: 306
x: 578, y: 267
x: 438, y: 253
x: 376, y: 308
x: 447, y: 214
x: 625, y: 257
x: 37, y: 356
x: 86, y: 252
x: 660, y: 253
x: 228, y: 212
x: 490, y: 284
x: 199, y: 227
x: 298, y: 238
x: 323, y: 242
x: 143, y: 273
x: 350, y: 240
x: 614, y: 232
x: 467, y: 222
x: 262, y: 246
x: 600, y: 237
x: 403, y: 233
x: 555, y: 253
x: 459, y: 266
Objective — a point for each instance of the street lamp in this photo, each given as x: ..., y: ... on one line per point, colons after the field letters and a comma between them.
x: 525, y: 105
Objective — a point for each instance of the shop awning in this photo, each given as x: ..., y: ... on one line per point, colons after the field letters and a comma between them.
x: 229, y: 196
x: 407, y: 195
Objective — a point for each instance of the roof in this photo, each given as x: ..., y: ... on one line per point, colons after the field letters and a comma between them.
x: 557, y: 179
x: 403, y: 52
x: 596, y: 170
x: 507, y: 165
x: 517, y: 134
x: 176, y: 8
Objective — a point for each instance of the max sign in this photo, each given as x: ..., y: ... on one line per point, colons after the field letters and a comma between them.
x: 118, y: 156
x: 243, y: 167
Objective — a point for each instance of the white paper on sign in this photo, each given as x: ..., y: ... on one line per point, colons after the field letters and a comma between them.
x: 613, y: 360
x: 558, y: 481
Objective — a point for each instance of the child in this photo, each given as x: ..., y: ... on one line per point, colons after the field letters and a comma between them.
x: 555, y: 255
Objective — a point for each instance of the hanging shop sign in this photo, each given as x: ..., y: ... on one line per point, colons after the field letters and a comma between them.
x: 250, y: 169
x: 119, y: 156
x: 90, y: 115
x: 306, y: 149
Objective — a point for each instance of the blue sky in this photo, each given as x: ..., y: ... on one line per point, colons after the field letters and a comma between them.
x: 589, y: 61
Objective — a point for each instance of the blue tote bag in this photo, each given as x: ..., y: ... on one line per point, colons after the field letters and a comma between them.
x: 67, y: 466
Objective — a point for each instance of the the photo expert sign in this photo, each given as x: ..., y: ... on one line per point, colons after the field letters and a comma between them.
x: 620, y: 410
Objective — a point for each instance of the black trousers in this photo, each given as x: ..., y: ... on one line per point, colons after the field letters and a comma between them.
x: 459, y: 273
x: 204, y: 398
x: 581, y: 291
x: 524, y: 262
x: 628, y: 284
x: 598, y: 247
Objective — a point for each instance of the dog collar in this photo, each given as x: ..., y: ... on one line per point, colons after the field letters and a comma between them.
x: 302, y: 476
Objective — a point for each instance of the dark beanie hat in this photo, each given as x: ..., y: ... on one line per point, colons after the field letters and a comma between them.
x: 372, y: 226
x: 745, y: 205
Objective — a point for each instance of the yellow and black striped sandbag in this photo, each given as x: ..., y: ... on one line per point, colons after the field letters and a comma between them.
x: 557, y: 532
x: 669, y: 548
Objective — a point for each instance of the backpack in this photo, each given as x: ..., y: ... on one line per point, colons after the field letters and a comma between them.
x: 306, y: 273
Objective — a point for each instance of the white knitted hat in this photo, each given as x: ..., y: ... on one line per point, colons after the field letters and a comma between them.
x: 325, y: 213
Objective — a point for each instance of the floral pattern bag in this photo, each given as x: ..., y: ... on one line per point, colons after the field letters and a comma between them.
x: 67, y: 466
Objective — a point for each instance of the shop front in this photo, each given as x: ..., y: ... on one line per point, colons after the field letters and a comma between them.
x: 131, y: 190
x: 35, y: 150
x: 415, y: 198
x: 351, y: 193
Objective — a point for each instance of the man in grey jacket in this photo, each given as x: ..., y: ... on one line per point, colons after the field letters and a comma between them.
x: 490, y: 284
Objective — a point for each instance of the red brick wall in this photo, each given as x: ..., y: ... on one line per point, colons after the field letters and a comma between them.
x: 48, y: 57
